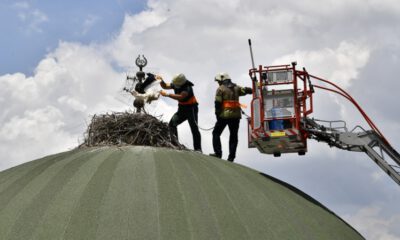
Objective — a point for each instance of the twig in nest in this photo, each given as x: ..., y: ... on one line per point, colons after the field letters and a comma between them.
x: 124, y: 128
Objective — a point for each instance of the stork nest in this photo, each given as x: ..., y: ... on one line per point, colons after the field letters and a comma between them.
x: 125, y: 128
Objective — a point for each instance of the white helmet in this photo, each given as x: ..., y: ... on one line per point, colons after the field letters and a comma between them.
x: 179, y: 80
x: 221, y: 77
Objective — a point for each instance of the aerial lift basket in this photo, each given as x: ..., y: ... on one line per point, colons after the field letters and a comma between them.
x: 282, y: 98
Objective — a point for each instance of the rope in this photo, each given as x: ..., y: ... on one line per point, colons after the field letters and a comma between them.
x: 243, y: 112
x: 204, y: 129
x: 209, y: 129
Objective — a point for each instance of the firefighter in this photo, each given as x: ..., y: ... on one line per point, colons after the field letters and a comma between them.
x: 228, y: 112
x: 187, y: 106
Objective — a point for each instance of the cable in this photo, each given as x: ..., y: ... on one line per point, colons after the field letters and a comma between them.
x: 345, y: 94
x: 351, y: 99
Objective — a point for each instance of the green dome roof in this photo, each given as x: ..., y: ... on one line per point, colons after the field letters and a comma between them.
x: 155, y: 193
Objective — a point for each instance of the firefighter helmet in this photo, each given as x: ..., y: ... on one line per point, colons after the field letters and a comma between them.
x: 222, y: 76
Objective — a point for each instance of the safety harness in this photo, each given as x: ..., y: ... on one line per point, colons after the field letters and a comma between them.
x: 191, y: 101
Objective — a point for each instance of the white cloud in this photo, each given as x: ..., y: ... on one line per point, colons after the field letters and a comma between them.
x: 21, y: 5
x: 126, y: 42
x: 72, y: 103
x: 89, y: 22
x: 22, y: 136
x: 333, y: 39
x: 76, y: 81
x: 18, y: 87
x: 370, y: 221
x: 340, y: 65
x: 33, y: 124
x: 385, y: 6
x: 32, y: 18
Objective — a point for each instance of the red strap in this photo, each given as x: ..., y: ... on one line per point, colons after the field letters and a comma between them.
x: 191, y: 101
x: 230, y: 104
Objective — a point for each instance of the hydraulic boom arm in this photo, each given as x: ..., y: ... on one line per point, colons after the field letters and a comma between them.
x: 279, y: 122
x: 370, y: 142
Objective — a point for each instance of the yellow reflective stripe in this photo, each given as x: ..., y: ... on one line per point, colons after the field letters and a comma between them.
x: 278, y: 134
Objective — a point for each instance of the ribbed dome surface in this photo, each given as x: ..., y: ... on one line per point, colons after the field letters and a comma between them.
x: 155, y: 193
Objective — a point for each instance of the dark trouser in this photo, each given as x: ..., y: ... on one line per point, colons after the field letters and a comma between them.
x: 187, y: 113
x: 233, y: 125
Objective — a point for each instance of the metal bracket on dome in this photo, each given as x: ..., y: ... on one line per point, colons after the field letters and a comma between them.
x: 141, y: 62
x: 137, y: 82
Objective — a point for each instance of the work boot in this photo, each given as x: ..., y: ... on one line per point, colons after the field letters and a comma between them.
x: 231, y: 157
x: 215, y: 155
x: 198, y: 150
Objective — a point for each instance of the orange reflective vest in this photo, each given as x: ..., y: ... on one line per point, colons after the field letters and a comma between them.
x: 231, y: 104
x: 190, y: 101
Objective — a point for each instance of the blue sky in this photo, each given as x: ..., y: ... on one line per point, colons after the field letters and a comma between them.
x: 63, y: 61
x: 30, y: 29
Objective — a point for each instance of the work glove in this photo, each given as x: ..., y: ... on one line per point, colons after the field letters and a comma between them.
x: 248, y: 90
x: 158, y: 77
